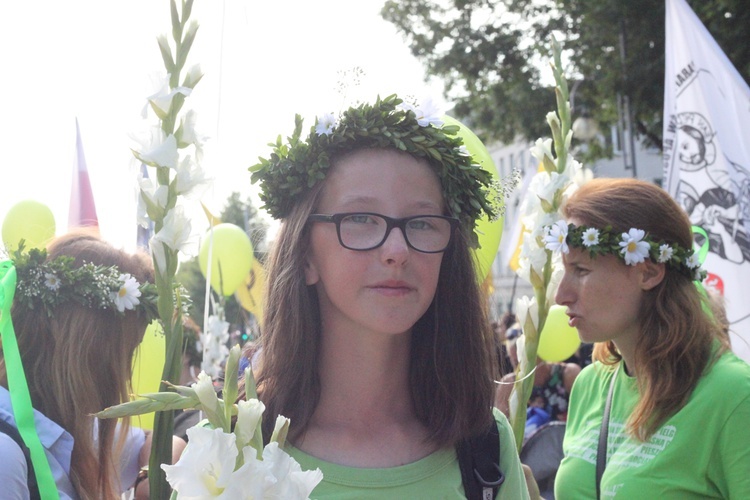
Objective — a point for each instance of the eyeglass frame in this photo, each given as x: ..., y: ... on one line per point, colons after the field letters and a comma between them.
x: 390, y: 224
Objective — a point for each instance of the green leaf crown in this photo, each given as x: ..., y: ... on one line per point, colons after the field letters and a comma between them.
x: 44, y: 285
x: 597, y: 241
x: 295, y: 167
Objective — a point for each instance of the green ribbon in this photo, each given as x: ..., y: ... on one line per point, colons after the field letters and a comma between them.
x: 703, y: 250
x: 19, y: 389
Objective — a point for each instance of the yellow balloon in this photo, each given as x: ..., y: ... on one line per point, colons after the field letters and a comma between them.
x: 250, y: 295
x: 558, y: 340
x: 231, y: 257
x: 148, y: 364
x: 30, y: 221
x: 489, y: 232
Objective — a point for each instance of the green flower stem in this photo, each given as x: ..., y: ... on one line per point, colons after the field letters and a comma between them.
x: 170, y: 311
x: 560, y: 128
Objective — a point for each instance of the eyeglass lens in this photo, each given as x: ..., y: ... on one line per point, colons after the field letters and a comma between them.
x: 366, y: 231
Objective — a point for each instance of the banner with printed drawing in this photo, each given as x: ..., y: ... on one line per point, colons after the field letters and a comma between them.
x: 707, y: 157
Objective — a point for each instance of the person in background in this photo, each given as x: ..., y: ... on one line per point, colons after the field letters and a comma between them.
x: 677, y: 399
x: 376, y: 342
x: 552, y: 385
x: 79, y: 313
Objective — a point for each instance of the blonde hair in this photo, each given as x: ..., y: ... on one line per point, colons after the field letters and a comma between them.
x: 677, y: 336
x: 79, y: 361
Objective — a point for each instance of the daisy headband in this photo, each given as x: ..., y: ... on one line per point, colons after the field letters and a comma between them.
x: 45, y: 284
x: 294, y: 167
x: 633, y: 247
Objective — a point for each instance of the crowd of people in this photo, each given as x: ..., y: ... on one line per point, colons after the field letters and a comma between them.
x: 376, y: 341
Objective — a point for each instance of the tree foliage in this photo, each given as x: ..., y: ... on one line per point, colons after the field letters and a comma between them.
x: 493, y: 56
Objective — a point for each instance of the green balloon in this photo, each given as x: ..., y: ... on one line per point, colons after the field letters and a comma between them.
x: 490, y: 232
x: 231, y: 257
x: 30, y: 221
x: 558, y: 340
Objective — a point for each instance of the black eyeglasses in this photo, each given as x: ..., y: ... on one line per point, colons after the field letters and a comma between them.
x: 366, y: 231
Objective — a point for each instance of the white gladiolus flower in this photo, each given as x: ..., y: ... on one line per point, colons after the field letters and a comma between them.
x: 206, y: 467
x: 163, y: 154
x: 527, y: 308
x: 249, y: 414
x: 189, y: 177
x: 542, y: 148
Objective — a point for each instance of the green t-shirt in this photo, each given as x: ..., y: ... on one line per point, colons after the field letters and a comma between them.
x: 703, y: 451
x: 436, y: 476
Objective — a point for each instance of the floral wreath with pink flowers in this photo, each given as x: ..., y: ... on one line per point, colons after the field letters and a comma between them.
x: 633, y: 247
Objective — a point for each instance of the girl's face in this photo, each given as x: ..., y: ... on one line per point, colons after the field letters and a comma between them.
x: 386, y: 289
x: 602, y: 296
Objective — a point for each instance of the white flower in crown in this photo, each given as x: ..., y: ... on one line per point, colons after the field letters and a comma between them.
x: 633, y: 247
x: 590, y: 237
x: 427, y: 112
x: 325, y: 124
x: 463, y: 151
x: 693, y: 262
x: 127, y: 295
x: 665, y: 253
x: 52, y: 281
x: 555, y: 237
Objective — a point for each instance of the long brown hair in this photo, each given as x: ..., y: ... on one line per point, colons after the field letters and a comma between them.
x: 79, y: 361
x: 452, y: 365
x: 677, y: 335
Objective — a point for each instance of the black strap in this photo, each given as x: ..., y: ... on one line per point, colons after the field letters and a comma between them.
x: 479, y: 461
x: 601, y: 450
x: 12, y: 432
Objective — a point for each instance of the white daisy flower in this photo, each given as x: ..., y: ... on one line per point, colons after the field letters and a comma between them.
x: 555, y: 237
x: 325, y: 124
x: 591, y: 237
x: 52, y: 281
x: 633, y: 247
x: 463, y: 151
x: 692, y: 262
x: 665, y: 253
x: 127, y: 296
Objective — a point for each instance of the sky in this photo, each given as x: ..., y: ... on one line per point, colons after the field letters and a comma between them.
x: 97, y: 61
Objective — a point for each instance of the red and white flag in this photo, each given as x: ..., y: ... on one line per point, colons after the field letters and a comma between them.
x: 707, y: 157
x: 82, y: 211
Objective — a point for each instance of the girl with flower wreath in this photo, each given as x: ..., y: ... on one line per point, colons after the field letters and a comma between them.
x: 78, y: 314
x: 376, y: 342
x: 663, y: 411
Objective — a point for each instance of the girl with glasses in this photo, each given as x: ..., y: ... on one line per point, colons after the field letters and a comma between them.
x: 376, y: 342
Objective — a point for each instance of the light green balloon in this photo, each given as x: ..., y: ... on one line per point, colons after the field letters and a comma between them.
x: 231, y: 257
x: 489, y: 232
x: 30, y: 221
x: 558, y: 340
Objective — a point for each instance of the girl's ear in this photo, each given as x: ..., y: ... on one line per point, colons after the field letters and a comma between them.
x: 651, y: 274
x: 311, y: 272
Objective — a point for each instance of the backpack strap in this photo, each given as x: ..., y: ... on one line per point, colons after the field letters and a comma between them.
x: 11, y: 431
x: 479, y: 461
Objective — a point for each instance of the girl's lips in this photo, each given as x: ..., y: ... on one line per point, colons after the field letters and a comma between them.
x: 572, y: 320
x: 392, y: 288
